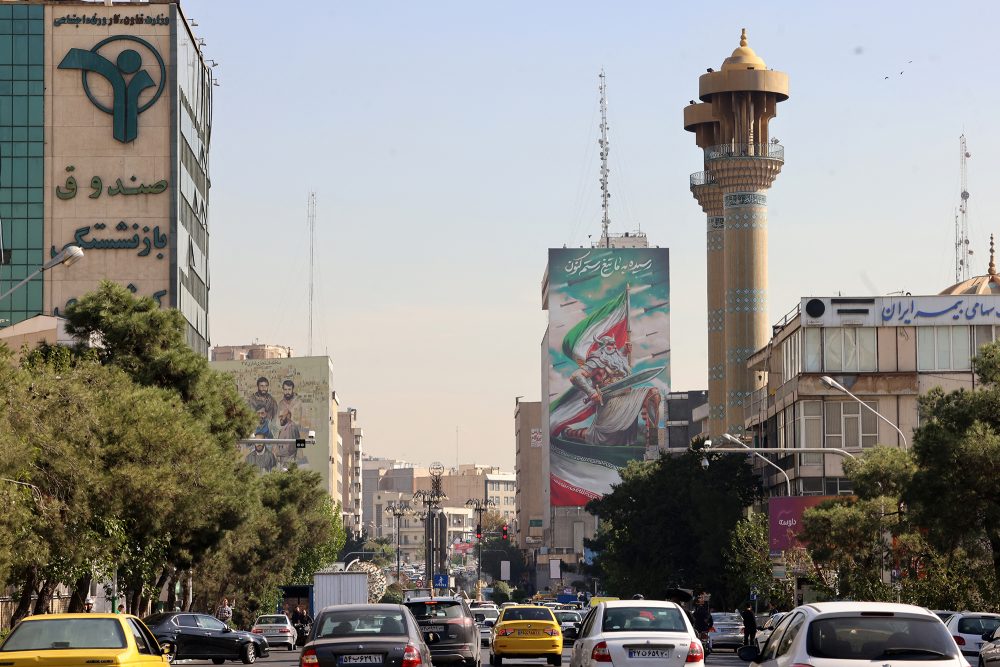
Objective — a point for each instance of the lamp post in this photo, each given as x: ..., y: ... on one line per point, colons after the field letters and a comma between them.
x: 397, y: 509
x: 431, y: 500
x: 735, y: 440
x: 774, y: 450
x: 69, y: 255
x: 833, y: 384
x: 479, y: 506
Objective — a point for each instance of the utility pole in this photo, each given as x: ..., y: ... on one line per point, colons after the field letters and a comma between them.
x: 479, y: 506
x: 397, y: 509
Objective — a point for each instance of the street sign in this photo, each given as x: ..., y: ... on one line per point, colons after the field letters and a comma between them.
x: 440, y: 581
x: 753, y: 597
x: 505, y: 570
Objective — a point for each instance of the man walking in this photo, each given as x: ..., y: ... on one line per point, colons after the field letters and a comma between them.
x: 224, y: 613
x: 749, y: 625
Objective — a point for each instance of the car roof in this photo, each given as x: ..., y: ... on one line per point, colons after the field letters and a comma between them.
x: 440, y: 598
x: 975, y: 614
x: 863, y: 606
x: 55, y: 617
x: 378, y: 606
x: 613, y: 604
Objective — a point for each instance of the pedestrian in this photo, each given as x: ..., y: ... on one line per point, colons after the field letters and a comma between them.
x: 88, y: 605
x: 121, y: 609
x: 749, y: 625
x: 224, y: 613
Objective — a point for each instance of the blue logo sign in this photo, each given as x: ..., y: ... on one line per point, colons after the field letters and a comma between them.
x: 125, y: 107
x: 441, y: 581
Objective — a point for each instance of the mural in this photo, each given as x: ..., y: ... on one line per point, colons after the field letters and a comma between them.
x: 609, y: 352
x: 290, y: 397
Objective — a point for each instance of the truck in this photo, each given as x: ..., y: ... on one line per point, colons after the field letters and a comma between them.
x: 330, y: 588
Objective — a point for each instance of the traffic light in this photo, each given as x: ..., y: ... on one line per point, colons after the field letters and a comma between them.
x: 504, y: 533
x: 479, y: 532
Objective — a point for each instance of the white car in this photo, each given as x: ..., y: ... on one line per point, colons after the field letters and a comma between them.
x: 968, y: 629
x: 858, y: 634
x: 637, y: 633
x: 277, y: 629
x: 489, y: 616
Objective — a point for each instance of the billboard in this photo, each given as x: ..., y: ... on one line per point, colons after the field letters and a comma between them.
x: 784, y: 520
x: 609, y: 365
x: 290, y: 397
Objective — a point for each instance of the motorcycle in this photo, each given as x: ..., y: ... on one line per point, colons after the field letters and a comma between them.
x: 302, y: 630
x: 706, y: 642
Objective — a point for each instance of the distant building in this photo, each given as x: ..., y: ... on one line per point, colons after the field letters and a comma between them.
x: 351, y: 436
x: 687, y: 418
x: 253, y: 351
x: 529, y: 498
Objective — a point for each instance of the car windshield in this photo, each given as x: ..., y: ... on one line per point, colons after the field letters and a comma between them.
x: 567, y: 617
x: 272, y: 620
x: 631, y: 619
x: 436, y: 609
x: 977, y: 625
x: 726, y: 619
x: 879, y: 638
x: 487, y: 614
x: 70, y: 633
x: 343, y: 623
x: 527, y: 614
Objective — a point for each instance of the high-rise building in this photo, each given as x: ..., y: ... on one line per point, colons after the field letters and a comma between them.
x: 351, y: 436
x: 105, y: 124
x: 741, y: 161
x: 529, y: 499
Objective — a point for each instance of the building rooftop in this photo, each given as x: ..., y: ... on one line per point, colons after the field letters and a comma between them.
x: 985, y: 284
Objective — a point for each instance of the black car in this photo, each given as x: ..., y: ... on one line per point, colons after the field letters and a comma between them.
x: 369, y: 635
x: 202, y: 637
x: 449, y: 629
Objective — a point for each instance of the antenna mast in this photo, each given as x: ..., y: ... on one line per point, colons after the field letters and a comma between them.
x: 605, y: 147
x: 311, y: 215
x: 962, y: 251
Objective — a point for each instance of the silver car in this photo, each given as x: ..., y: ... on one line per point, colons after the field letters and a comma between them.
x: 277, y: 629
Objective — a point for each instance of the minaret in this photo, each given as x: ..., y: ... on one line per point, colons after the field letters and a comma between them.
x: 698, y: 119
x: 743, y: 163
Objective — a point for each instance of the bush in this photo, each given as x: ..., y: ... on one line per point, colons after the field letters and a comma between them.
x: 501, y: 592
x: 393, y: 594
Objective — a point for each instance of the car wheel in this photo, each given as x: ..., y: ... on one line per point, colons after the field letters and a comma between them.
x: 249, y: 654
x: 218, y: 661
x: 555, y: 660
x: 495, y: 660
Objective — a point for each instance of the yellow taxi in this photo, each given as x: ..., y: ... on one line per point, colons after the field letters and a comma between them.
x: 526, y: 631
x: 61, y: 640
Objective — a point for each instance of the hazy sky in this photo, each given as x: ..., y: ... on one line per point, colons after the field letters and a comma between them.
x: 451, y: 143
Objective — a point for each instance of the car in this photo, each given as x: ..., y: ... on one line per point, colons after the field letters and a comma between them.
x: 65, y: 639
x: 968, y: 629
x: 189, y: 636
x: 726, y: 631
x: 857, y: 634
x: 944, y: 614
x: 383, y: 635
x: 633, y: 633
x: 277, y: 629
x: 767, y: 628
x: 449, y: 629
x: 568, y: 619
x: 526, y: 631
x: 989, y: 653
x: 486, y: 618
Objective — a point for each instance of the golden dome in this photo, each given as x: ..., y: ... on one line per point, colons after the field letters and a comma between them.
x: 988, y: 284
x: 743, y: 57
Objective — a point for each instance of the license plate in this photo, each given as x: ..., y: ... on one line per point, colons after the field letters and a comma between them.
x: 528, y: 633
x: 361, y: 659
x: 433, y: 628
x: 648, y: 653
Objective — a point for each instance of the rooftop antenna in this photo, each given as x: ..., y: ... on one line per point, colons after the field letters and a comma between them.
x: 605, y: 147
x: 962, y: 250
x: 311, y: 214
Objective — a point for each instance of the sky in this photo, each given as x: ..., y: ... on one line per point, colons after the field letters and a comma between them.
x: 450, y: 144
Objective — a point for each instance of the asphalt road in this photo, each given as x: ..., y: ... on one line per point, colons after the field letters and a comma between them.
x: 283, y: 658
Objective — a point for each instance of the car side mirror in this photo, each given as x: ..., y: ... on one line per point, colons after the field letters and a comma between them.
x: 489, y: 624
x: 571, y: 633
x: 748, y: 653
x: 480, y: 618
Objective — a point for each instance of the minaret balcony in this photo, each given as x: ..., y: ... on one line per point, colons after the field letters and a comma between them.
x: 772, y: 151
x: 700, y: 178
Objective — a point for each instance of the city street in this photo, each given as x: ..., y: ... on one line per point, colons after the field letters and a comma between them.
x: 285, y: 658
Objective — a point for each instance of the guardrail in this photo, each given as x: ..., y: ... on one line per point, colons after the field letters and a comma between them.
x: 702, y: 178
x: 762, y: 151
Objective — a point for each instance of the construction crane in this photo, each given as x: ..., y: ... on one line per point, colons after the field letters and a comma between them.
x: 962, y: 250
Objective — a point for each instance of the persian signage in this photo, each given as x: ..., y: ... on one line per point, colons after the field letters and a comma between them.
x: 898, y: 311
x: 108, y: 182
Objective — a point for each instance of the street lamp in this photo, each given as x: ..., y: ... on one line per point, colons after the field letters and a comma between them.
x: 479, y: 506
x: 833, y: 384
x: 735, y: 440
x: 431, y: 501
x: 397, y: 509
x: 69, y: 255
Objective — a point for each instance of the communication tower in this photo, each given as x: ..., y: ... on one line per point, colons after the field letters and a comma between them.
x: 962, y: 249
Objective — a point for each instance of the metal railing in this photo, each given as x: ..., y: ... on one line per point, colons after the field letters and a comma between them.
x: 762, y: 151
x: 699, y: 178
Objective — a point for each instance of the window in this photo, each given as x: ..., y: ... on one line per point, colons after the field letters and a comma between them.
x: 944, y: 348
x: 141, y: 642
x: 771, y: 647
x: 838, y: 486
x: 210, y: 623
x: 790, y: 634
x: 812, y: 356
x: 809, y: 430
x: 849, y: 349
x: 811, y: 486
x: 984, y: 334
x: 849, y: 426
x: 791, y: 360
x: 187, y: 621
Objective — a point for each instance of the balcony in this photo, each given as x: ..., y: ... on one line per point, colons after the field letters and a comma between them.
x: 740, y: 151
x: 700, y: 178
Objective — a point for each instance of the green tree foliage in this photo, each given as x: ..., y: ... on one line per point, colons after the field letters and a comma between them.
x: 668, y: 523
x: 318, y: 554
x: 748, y: 561
x: 501, y: 592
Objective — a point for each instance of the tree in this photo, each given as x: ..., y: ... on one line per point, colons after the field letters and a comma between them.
x: 748, y: 561
x: 501, y: 592
x: 667, y: 525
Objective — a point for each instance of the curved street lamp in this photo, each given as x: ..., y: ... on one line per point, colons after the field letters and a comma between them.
x: 397, y: 509
x: 69, y: 255
x: 833, y: 384
x: 479, y: 506
x: 735, y: 440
